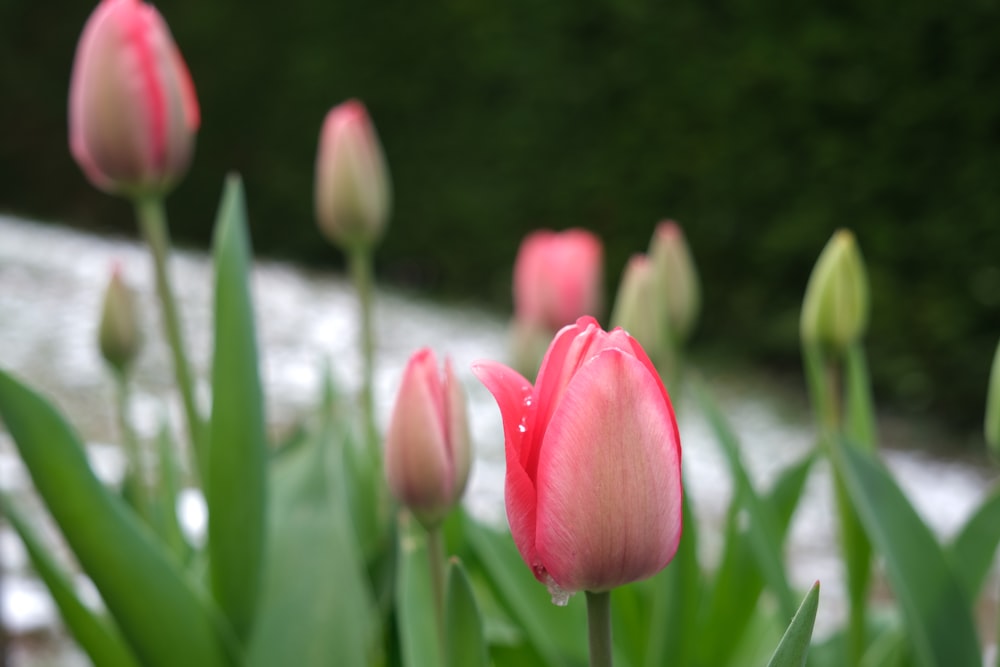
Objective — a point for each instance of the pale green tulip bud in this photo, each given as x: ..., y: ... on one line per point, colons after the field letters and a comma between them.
x: 118, y: 334
x: 634, y: 305
x: 836, y: 304
x: 993, y: 407
x: 679, y: 289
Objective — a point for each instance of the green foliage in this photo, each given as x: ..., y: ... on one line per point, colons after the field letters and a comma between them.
x: 794, y: 646
x: 235, y: 488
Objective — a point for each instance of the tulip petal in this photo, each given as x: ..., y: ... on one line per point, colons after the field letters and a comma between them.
x: 513, y: 395
x: 608, y: 484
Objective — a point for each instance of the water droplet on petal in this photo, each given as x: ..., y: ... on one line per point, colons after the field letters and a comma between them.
x: 560, y: 597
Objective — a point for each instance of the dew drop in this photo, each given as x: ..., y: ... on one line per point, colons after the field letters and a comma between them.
x: 560, y: 597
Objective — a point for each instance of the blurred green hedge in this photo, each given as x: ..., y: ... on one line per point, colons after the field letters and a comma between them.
x: 760, y: 126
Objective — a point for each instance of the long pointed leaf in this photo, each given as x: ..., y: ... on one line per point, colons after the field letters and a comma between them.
x: 763, y: 526
x: 236, y: 487
x: 738, y: 580
x: 933, y: 599
x: 465, y: 644
x: 794, y: 646
x: 972, y: 550
x: 316, y: 608
x: 418, y: 633
x: 159, y: 612
x: 97, y: 636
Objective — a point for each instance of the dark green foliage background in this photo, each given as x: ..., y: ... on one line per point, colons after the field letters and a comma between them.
x: 761, y: 126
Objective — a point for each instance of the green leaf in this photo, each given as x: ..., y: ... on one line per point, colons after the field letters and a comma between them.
x: 100, y: 638
x: 236, y: 486
x: 738, y: 581
x: 935, y: 605
x: 166, y: 621
x: 971, y: 552
x: 860, y: 408
x: 558, y: 634
x: 762, y: 524
x: 794, y: 645
x: 465, y: 644
x: 418, y: 633
x: 315, y: 606
x: 164, y: 501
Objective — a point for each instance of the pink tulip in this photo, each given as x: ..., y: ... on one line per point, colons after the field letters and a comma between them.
x: 427, y: 450
x: 557, y: 278
x: 593, y: 486
x: 352, y: 180
x: 133, y: 112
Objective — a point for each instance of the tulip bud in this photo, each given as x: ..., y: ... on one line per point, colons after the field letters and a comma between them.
x: 427, y: 445
x: 993, y: 407
x: 679, y: 291
x: 118, y: 334
x: 835, y: 308
x: 593, y: 485
x: 557, y: 278
x: 133, y: 112
x: 634, y: 305
x: 353, y: 192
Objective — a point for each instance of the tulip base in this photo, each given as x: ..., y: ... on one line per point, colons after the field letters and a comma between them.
x: 599, y: 628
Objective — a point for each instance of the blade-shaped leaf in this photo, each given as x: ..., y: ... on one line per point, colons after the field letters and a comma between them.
x: 159, y: 612
x: 316, y: 608
x: 738, y: 580
x: 418, y: 633
x: 236, y: 486
x: 96, y: 635
x: 794, y: 645
x: 971, y: 552
x: 465, y: 644
x: 762, y: 527
x: 933, y: 599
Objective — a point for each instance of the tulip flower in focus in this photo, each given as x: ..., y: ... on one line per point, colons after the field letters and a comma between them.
x: 353, y: 192
x: 835, y: 307
x: 679, y: 292
x: 593, y: 485
x: 427, y: 444
x: 557, y: 278
x: 118, y: 333
x: 133, y: 113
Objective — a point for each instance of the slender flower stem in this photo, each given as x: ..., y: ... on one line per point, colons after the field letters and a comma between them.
x: 130, y: 442
x: 599, y: 628
x: 435, y: 560
x: 153, y: 221
x: 360, y: 260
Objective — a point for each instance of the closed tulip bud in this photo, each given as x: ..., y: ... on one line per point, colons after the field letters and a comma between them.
x: 679, y: 290
x: 835, y: 308
x: 558, y: 278
x: 593, y: 485
x: 118, y: 333
x: 635, y: 305
x: 353, y: 192
x: 993, y: 407
x: 427, y: 445
x: 133, y: 113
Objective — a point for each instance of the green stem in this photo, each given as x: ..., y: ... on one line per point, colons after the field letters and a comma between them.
x: 435, y: 560
x: 131, y: 443
x: 153, y: 221
x: 599, y: 628
x: 360, y: 260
